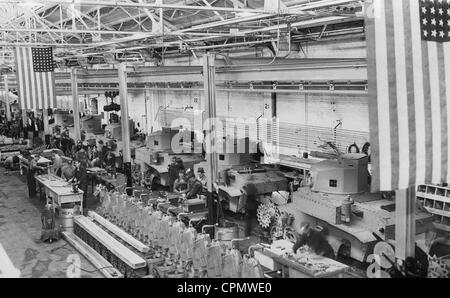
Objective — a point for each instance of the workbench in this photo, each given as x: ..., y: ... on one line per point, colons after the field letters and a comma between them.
x: 277, y: 257
x: 59, y: 191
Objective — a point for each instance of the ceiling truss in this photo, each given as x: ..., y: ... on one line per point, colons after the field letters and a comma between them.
x: 86, y: 28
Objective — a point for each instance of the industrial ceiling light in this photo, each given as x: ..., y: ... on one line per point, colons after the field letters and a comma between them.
x: 30, y: 4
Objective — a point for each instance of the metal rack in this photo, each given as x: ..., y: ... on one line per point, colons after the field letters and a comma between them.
x: 436, y: 200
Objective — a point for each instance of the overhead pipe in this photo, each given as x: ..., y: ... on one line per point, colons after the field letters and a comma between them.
x: 227, y: 22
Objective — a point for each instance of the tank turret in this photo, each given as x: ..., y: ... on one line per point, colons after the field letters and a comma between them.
x: 346, y: 175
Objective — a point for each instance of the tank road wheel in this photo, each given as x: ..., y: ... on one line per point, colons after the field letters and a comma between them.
x: 386, y: 253
x: 137, y: 175
x: 344, y: 251
x: 151, y: 179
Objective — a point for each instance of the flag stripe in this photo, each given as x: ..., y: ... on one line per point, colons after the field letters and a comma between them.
x: 34, y: 99
x: 52, y: 99
x: 20, y: 78
x: 373, y: 105
x: 43, y: 89
x: 383, y: 95
x: 46, y: 95
x: 447, y: 83
x: 427, y: 111
x: 409, y: 61
x: 419, y: 93
x: 39, y: 89
x: 443, y: 110
x: 392, y: 78
x: 401, y: 98
x: 27, y: 74
x: 435, y: 115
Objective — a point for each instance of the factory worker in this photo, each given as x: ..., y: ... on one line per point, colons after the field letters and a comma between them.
x: 109, y: 163
x: 57, y: 164
x: 81, y: 154
x: 102, y: 150
x: 81, y: 177
x: 174, y: 168
x: 250, y: 192
x: 195, y: 189
x: 65, y: 141
x: 202, y: 177
x: 180, y: 185
x: 68, y: 171
x: 94, y: 157
x: 315, y: 240
x: 33, y: 169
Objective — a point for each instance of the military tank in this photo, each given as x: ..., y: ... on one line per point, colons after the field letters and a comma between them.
x: 236, y: 167
x: 162, y: 148
x: 336, y: 196
x: 267, y: 179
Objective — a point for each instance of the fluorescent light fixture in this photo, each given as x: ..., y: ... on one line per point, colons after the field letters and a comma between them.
x: 245, y: 14
x: 30, y: 4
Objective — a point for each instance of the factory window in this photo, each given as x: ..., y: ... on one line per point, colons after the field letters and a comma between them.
x: 333, y: 183
x: 156, y: 143
x: 221, y: 157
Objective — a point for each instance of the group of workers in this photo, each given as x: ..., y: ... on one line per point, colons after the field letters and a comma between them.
x: 16, y: 127
x: 70, y: 161
x: 185, y: 182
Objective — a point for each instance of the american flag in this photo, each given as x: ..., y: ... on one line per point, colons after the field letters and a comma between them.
x: 36, y: 78
x: 409, y: 97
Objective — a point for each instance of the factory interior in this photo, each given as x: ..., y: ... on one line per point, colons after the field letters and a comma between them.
x: 224, y: 139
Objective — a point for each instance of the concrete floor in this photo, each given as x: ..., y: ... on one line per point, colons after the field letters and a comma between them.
x: 20, y: 231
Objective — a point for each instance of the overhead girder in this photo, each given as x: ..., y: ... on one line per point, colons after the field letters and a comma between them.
x: 298, y: 70
x: 124, y: 23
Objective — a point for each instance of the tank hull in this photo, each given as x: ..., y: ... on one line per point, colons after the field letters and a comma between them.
x: 373, y: 220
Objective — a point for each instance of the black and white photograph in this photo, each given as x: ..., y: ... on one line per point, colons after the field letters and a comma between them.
x: 218, y: 147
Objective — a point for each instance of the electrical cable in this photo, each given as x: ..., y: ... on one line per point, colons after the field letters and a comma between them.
x: 96, y: 270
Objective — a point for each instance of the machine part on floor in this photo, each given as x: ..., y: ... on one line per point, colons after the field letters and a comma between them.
x: 175, y: 251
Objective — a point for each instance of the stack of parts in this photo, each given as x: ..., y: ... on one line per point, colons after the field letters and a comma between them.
x: 122, y: 258
x: 181, y: 246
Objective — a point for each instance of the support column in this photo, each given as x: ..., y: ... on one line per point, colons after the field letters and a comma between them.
x: 209, y: 70
x: 209, y: 85
x: 405, y: 223
x: 126, y: 152
x: 8, y: 107
x: 24, y: 124
x: 75, y: 105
